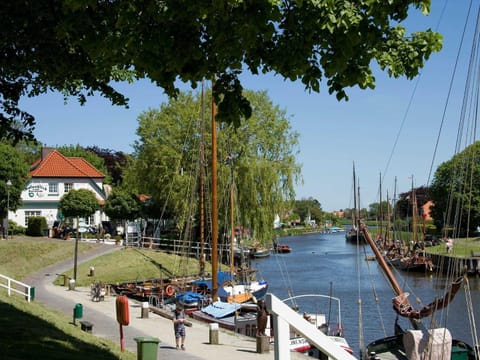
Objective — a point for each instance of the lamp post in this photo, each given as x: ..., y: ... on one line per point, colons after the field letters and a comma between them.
x: 9, y: 183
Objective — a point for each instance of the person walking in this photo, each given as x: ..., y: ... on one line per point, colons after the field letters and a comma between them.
x: 179, y: 326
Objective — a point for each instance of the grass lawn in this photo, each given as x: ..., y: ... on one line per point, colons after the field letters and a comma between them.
x: 461, y: 248
x: 32, y: 331
x: 131, y: 264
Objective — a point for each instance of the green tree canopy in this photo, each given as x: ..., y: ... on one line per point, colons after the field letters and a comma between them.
x: 259, y: 157
x: 78, y: 203
x: 122, y: 205
x: 380, y: 211
x: 82, y: 47
x: 455, y: 192
x: 309, y: 207
x: 13, y: 168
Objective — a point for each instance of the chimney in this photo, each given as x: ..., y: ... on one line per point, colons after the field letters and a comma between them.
x: 46, y: 151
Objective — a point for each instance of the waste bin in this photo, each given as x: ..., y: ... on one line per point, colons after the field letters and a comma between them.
x: 92, y: 271
x: 147, y: 348
x: 78, y: 311
x: 32, y: 293
x: 71, y: 284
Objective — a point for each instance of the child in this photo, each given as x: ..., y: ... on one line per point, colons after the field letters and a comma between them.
x: 179, y: 326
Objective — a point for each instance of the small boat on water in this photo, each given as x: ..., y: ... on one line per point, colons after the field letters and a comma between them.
x: 260, y: 252
x: 282, y: 249
x: 240, y: 318
x: 303, y: 304
x: 353, y: 236
x: 417, y: 261
x: 233, y: 289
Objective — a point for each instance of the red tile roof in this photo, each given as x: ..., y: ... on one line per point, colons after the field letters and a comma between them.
x: 57, y: 165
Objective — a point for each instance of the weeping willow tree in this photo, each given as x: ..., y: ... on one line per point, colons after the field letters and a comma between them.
x: 166, y: 157
x: 259, y: 155
x: 263, y: 151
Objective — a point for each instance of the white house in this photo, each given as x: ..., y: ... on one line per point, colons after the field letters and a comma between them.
x: 52, y: 176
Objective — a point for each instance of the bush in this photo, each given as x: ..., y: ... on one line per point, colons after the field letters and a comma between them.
x: 15, y: 229
x: 37, y: 226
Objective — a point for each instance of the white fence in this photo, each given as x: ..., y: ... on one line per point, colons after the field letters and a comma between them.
x: 17, y: 287
x: 284, y: 318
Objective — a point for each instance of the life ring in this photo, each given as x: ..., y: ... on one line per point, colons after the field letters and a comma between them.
x: 169, y: 290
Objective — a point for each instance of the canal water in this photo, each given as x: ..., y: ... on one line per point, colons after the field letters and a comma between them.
x: 326, y: 264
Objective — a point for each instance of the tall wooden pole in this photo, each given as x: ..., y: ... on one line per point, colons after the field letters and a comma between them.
x: 202, y: 186
x: 214, y: 201
x: 232, y: 222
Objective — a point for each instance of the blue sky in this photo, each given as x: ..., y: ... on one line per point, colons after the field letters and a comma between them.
x: 333, y: 135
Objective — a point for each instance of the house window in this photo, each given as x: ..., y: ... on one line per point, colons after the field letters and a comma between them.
x: 53, y: 188
x: 29, y: 214
x: 88, y: 220
x: 67, y: 187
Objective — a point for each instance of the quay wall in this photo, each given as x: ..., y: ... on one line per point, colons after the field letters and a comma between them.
x: 449, y: 264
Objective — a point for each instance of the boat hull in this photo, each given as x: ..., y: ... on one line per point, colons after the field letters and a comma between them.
x: 392, y: 347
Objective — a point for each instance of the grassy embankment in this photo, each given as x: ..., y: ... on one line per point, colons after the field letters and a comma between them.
x: 34, y: 331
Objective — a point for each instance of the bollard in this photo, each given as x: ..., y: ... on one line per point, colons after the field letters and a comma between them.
x: 92, y: 271
x: 71, y: 284
x: 213, y: 333
x: 263, y: 344
x: 145, y: 310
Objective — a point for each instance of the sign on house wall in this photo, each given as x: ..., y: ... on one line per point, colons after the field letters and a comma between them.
x: 37, y: 190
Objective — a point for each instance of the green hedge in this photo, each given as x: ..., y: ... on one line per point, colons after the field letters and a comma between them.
x: 37, y: 226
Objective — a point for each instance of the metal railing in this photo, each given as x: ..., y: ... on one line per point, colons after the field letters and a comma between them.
x: 13, y: 285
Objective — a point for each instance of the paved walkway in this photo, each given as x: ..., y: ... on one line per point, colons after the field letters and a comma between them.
x: 103, y: 317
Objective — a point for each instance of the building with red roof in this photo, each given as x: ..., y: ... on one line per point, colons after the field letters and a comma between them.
x: 52, y: 176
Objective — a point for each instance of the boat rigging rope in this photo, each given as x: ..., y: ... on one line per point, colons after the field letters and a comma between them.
x: 471, y: 316
x: 449, y: 91
x: 375, y: 293
x: 282, y: 266
x: 181, y: 262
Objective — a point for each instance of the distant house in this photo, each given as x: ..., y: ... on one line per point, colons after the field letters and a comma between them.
x: 425, y: 210
x: 52, y: 176
x: 339, y: 213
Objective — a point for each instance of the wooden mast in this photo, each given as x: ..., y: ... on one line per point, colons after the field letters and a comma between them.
x: 232, y: 222
x: 202, y: 186
x: 380, y: 212
x: 214, y: 201
x: 381, y: 260
x: 414, y: 214
x: 355, y: 215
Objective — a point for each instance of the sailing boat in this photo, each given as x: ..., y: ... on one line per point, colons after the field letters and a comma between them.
x: 354, y: 236
x: 416, y: 258
x: 229, y: 295
x: 419, y: 343
x: 412, y: 256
